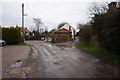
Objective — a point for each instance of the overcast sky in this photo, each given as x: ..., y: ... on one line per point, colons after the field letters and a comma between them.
x: 51, y: 12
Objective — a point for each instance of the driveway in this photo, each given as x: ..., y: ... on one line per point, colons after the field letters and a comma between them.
x: 57, y: 61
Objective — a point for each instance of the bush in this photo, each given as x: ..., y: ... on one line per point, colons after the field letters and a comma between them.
x: 11, y: 35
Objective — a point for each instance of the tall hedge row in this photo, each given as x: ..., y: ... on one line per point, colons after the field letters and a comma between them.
x: 107, y: 27
x: 11, y: 35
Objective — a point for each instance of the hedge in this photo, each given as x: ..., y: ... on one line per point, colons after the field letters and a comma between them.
x: 107, y: 27
x: 85, y: 33
x: 11, y: 35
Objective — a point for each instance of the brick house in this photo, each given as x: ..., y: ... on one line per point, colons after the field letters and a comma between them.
x: 63, y: 35
x: 69, y: 28
x: 26, y: 31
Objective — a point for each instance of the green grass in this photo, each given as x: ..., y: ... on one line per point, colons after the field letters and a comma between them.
x: 99, y: 52
x: 21, y: 43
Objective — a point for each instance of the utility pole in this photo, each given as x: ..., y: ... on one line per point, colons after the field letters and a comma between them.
x: 23, y: 22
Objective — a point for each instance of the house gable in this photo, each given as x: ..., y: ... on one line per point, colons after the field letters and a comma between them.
x: 66, y: 26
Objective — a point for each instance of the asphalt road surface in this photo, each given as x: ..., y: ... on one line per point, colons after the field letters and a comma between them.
x: 62, y: 61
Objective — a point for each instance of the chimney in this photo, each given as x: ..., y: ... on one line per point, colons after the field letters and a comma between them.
x: 69, y: 28
x: 112, y: 6
x: 16, y: 26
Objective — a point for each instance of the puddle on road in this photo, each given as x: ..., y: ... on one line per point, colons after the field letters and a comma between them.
x: 95, y: 60
x: 16, y: 64
x: 61, y: 46
x: 50, y: 45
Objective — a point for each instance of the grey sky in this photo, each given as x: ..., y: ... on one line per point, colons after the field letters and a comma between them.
x: 52, y: 12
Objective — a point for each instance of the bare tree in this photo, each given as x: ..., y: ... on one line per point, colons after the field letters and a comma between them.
x: 79, y: 26
x: 38, y: 23
x: 98, y: 8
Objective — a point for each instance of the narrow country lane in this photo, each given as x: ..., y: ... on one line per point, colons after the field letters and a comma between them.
x: 51, y: 61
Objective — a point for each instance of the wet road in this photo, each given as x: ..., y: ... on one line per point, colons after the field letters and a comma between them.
x: 51, y: 61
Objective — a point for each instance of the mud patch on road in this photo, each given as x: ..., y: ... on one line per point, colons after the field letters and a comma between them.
x: 53, y: 54
x: 56, y: 63
x: 41, y: 45
x: 26, y: 69
x: 63, y: 47
x: 82, y: 60
x: 61, y: 68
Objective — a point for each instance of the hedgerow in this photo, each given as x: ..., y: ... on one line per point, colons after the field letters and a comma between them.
x: 11, y: 35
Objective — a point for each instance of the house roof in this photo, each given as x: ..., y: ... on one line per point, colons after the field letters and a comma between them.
x: 25, y: 29
x: 67, y: 26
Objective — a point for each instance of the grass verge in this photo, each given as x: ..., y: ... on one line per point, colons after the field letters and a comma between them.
x: 99, y: 52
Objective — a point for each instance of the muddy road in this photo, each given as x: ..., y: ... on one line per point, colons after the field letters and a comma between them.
x: 57, y: 61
